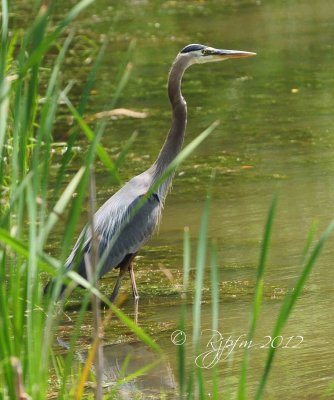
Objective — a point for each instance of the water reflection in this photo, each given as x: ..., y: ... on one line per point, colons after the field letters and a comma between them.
x: 122, y: 360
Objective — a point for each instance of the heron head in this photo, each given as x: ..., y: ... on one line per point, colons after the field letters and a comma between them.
x: 200, y: 54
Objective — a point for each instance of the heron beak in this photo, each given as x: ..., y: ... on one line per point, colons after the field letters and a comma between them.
x: 224, y: 54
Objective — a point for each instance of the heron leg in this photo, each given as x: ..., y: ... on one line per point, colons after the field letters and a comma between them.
x: 123, y: 267
x: 114, y: 294
x: 133, y: 283
x: 135, y: 314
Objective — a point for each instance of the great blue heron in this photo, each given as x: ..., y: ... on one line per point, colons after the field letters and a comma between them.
x: 111, y: 222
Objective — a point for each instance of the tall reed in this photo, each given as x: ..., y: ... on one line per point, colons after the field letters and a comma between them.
x: 29, y: 213
x: 31, y: 208
x: 194, y: 386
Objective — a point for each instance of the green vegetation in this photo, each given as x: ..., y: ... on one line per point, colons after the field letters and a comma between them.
x: 31, y: 209
x: 192, y: 384
x: 28, y: 115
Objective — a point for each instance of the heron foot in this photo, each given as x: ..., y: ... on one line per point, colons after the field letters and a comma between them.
x: 136, y: 297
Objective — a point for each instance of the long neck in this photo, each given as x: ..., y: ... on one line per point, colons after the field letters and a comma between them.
x: 174, y: 140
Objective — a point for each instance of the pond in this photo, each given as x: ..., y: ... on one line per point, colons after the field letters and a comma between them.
x: 275, y: 137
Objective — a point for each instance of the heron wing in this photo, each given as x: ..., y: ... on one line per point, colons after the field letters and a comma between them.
x: 123, y: 224
x: 133, y: 228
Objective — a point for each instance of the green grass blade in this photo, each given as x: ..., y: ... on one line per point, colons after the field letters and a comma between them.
x: 101, y: 152
x: 60, y: 206
x: 44, y: 262
x: 81, y: 109
x: 214, y: 313
x: 199, y: 284
x: 289, y: 303
x: 31, y: 329
x: 182, y: 323
x: 74, y: 214
x: 311, y: 234
x: 4, y: 27
x: 124, y: 76
x: 201, y: 384
x: 4, y: 104
x: 41, y: 158
x: 186, y: 259
x: 200, y: 267
x: 214, y: 288
x: 91, y: 78
x: 48, y: 41
x: 139, y: 332
x: 185, y: 153
x: 75, y: 336
x: 121, y: 158
x: 138, y: 373
x: 257, y: 297
x: 102, y: 125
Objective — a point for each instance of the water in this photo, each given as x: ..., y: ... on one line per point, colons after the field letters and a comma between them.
x: 275, y: 137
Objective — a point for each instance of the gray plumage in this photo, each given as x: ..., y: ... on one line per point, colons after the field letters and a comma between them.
x: 121, y: 228
x: 118, y: 217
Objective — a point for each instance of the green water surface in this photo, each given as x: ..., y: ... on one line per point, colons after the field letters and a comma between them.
x: 276, y: 136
